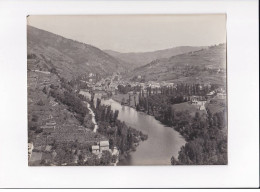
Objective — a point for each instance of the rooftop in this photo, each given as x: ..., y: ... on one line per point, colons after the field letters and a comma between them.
x: 48, y: 127
x: 104, y: 143
x: 95, y: 147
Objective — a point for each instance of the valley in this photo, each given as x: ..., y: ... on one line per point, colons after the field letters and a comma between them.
x: 92, y: 107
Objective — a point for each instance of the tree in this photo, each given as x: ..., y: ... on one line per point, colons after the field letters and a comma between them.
x: 174, y: 161
x: 81, y: 160
x: 92, y: 97
x: 53, y: 70
x: 116, y: 115
x: 34, y: 118
x: 123, y: 101
x: 114, y: 158
x: 129, y: 100
x: 138, y: 107
x: 98, y: 102
x: 44, y: 90
x: 106, y: 158
x: 40, y: 102
x: 147, y: 104
x: 192, y: 153
x: 111, y: 143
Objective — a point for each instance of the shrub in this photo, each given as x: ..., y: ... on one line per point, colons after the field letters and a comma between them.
x: 40, y: 103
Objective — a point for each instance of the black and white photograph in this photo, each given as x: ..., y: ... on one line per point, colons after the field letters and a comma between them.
x: 113, y: 90
x: 126, y: 94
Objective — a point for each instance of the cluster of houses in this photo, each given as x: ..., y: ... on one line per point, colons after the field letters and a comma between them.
x: 103, y: 146
x: 91, y: 77
x: 201, y: 101
x: 112, y: 86
x: 111, y: 83
x: 220, y: 93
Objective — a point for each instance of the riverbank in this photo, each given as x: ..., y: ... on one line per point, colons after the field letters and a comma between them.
x: 125, y: 97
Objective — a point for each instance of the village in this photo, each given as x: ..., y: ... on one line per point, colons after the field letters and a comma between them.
x: 109, y: 87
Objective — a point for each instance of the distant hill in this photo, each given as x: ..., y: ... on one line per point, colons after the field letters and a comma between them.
x: 69, y: 57
x: 207, y: 65
x: 142, y: 58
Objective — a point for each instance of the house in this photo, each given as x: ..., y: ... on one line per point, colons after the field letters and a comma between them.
x: 51, y: 123
x: 194, y: 100
x: 115, y: 151
x: 202, y: 107
x: 48, y: 128
x: 155, y: 85
x: 95, y: 149
x: 30, y: 148
x: 48, y: 148
x: 142, y: 85
x: 104, y: 146
x: 170, y: 85
x: 221, y: 95
x: 50, y: 116
x: 35, y: 158
x: 75, y: 159
x: 211, y: 94
x: 198, y: 101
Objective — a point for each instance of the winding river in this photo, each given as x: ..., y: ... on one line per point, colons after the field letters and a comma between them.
x: 163, y: 142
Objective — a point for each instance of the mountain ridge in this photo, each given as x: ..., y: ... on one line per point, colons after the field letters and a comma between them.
x: 137, y: 59
x: 70, y: 56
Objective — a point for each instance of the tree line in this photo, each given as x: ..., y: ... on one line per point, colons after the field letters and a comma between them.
x: 119, y: 134
x: 73, y: 100
x: 206, y: 138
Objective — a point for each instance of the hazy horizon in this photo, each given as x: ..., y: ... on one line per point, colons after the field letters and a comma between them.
x: 136, y: 33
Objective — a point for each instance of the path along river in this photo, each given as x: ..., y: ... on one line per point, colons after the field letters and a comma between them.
x: 163, y: 142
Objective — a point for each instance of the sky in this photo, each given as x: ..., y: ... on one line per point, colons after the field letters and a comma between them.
x: 136, y: 33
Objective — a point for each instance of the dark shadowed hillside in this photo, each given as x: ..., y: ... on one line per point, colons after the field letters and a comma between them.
x: 204, y: 66
x: 142, y: 58
x: 70, y: 58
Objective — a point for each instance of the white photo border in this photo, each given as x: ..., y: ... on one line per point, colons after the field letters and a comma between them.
x: 243, y: 101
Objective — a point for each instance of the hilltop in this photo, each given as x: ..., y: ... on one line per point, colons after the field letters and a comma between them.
x: 142, y: 58
x: 207, y: 65
x: 70, y: 58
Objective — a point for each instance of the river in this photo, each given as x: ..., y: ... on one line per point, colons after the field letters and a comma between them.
x: 163, y: 142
